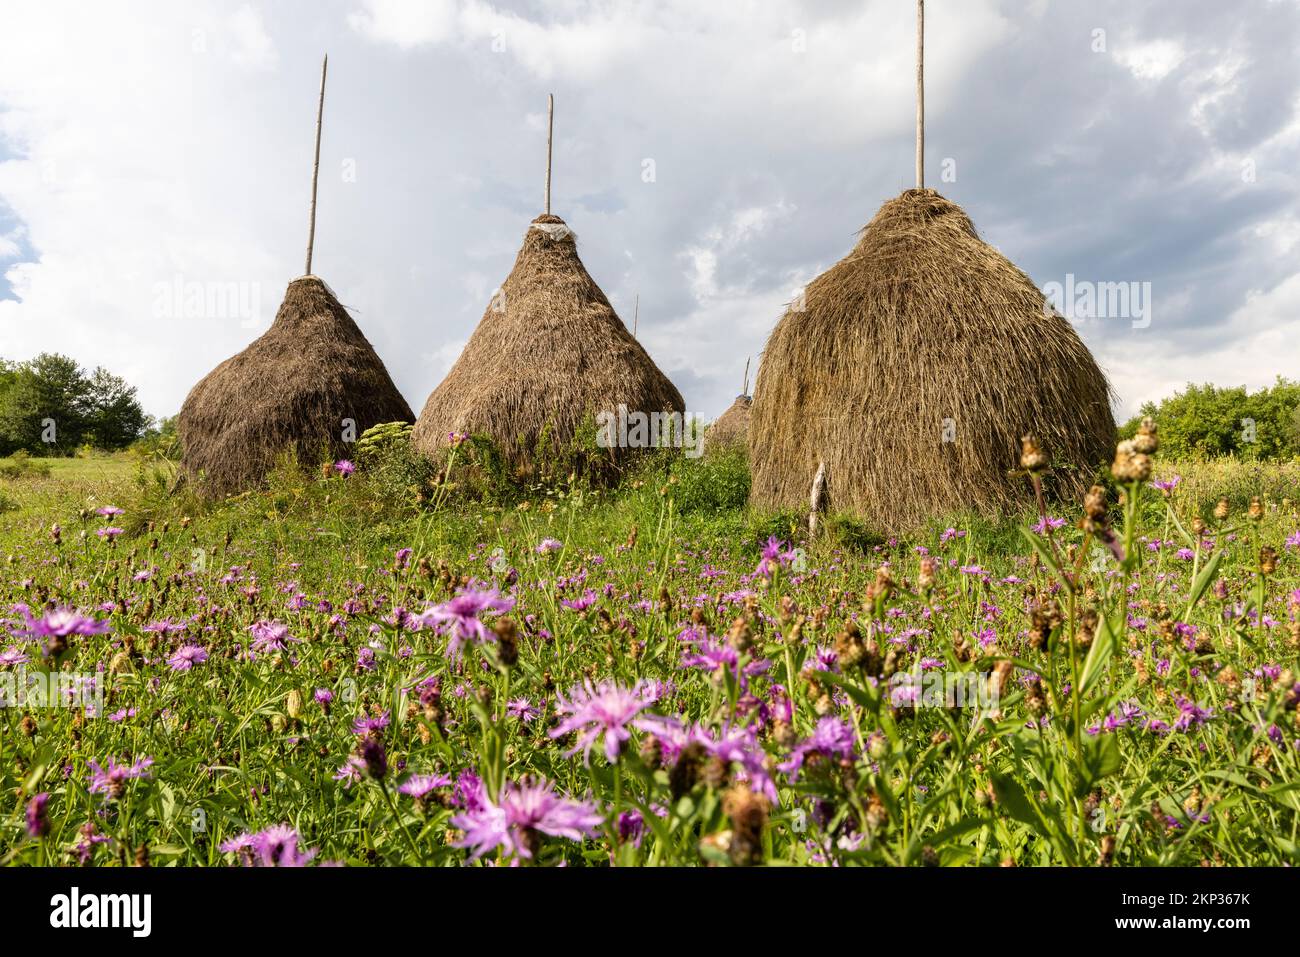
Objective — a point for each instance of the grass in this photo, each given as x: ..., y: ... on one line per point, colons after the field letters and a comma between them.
x: 1145, y: 708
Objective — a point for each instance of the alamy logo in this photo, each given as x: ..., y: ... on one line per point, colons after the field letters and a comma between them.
x: 1080, y: 299
x: 653, y: 430
x: 75, y: 910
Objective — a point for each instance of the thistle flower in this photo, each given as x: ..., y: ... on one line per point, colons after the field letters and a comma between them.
x: 832, y: 738
x: 276, y: 846
x: 111, y: 780
x: 1131, y: 464
x: 521, y: 814
x: 605, y: 709
x: 187, y: 656
x: 271, y: 636
x: 344, y: 467
x: 38, y: 825
x: 460, y: 616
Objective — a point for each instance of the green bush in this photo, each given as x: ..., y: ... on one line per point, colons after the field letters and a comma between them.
x: 1205, y: 422
x: 717, y: 482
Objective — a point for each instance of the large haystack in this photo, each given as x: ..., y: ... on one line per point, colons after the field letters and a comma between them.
x: 293, y: 387
x: 731, y: 428
x: 922, y: 326
x: 549, y: 352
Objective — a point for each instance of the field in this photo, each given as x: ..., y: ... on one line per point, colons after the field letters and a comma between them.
x: 331, y: 672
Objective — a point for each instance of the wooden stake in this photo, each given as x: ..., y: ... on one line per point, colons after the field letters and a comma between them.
x: 816, y: 498
x: 744, y: 389
x: 920, y: 94
x: 636, y: 314
x: 550, y: 132
x: 315, y: 166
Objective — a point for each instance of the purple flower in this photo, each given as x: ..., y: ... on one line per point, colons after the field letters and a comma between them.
x: 366, y: 726
x: 109, y: 533
x: 277, y: 846
x: 581, y: 603
x: 13, y: 656
x: 832, y: 738
x: 112, y: 780
x: 1191, y: 715
x: 270, y: 636
x: 522, y: 709
x: 344, y: 467
x: 1167, y: 485
x: 323, y: 697
x: 460, y: 616
x: 774, y: 556
x: 1048, y: 523
x: 606, y: 709
x: 107, y: 510
x: 419, y: 785
x: 61, y: 622
x: 187, y: 656
x: 38, y: 825
x: 548, y: 545
x: 520, y: 815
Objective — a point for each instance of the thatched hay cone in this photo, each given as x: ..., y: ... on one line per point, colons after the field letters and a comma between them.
x: 922, y: 322
x: 295, y: 386
x: 548, y: 353
x: 731, y: 428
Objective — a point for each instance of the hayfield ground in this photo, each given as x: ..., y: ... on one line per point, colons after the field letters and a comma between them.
x: 343, y: 669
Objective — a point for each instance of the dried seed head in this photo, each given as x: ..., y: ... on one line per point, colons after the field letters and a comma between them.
x: 1032, y: 457
x: 1256, y: 510
x: 1221, y: 509
x: 1131, y: 464
x: 1145, y: 441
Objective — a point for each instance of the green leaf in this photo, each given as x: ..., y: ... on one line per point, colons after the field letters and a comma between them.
x: 1203, y: 580
x: 1099, y: 654
x: 1012, y: 799
x: 1100, y: 758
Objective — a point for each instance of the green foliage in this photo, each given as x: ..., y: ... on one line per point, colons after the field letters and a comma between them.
x: 717, y: 482
x: 396, y: 469
x: 21, y: 465
x: 1205, y: 422
x: 50, y: 405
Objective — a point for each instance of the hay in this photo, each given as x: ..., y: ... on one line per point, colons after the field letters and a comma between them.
x: 291, y: 388
x: 549, y: 352
x: 732, y: 427
x: 922, y: 322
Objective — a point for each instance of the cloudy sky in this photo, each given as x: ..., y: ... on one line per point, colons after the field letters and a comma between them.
x: 712, y: 158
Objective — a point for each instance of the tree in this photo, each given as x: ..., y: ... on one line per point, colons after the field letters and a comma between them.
x: 45, y: 408
x: 49, y: 406
x: 115, y: 418
x: 1204, y: 421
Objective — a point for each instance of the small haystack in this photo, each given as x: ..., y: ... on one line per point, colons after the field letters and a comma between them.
x: 732, y: 427
x: 299, y: 385
x: 911, y: 369
x: 549, y: 353
x: 310, y: 384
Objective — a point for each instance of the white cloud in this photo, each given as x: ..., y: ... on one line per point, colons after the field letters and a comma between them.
x: 1153, y: 60
x: 252, y: 46
x: 406, y: 23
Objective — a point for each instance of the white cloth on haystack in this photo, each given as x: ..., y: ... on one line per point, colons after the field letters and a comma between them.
x: 556, y: 231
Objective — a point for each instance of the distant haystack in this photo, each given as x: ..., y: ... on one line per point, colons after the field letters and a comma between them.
x: 731, y: 428
x: 548, y: 353
x: 911, y: 369
x: 297, y: 386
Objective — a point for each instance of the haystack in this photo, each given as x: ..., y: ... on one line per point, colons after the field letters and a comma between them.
x: 911, y: 369
x: 549, y: 353
x: 731, y: 428
x: 308, y: 381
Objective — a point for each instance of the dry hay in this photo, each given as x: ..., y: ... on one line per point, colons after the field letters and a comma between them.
x: 922, y: 322
x: 732, y: 427
x: 291, y: 389
x: 549, y: 354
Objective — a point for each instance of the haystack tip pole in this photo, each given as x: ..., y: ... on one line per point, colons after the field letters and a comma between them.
x: 636, y: 314
x: 550, y: 133
x: 315, y: 167
x: 744, y: 389
x: 920, y: 94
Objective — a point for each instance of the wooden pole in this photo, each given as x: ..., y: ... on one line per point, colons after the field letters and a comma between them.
x: 744, y: 389
x: 920, y: 94
x: 315, y: 166
x: 550, y: 132
x: 636, y: 314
